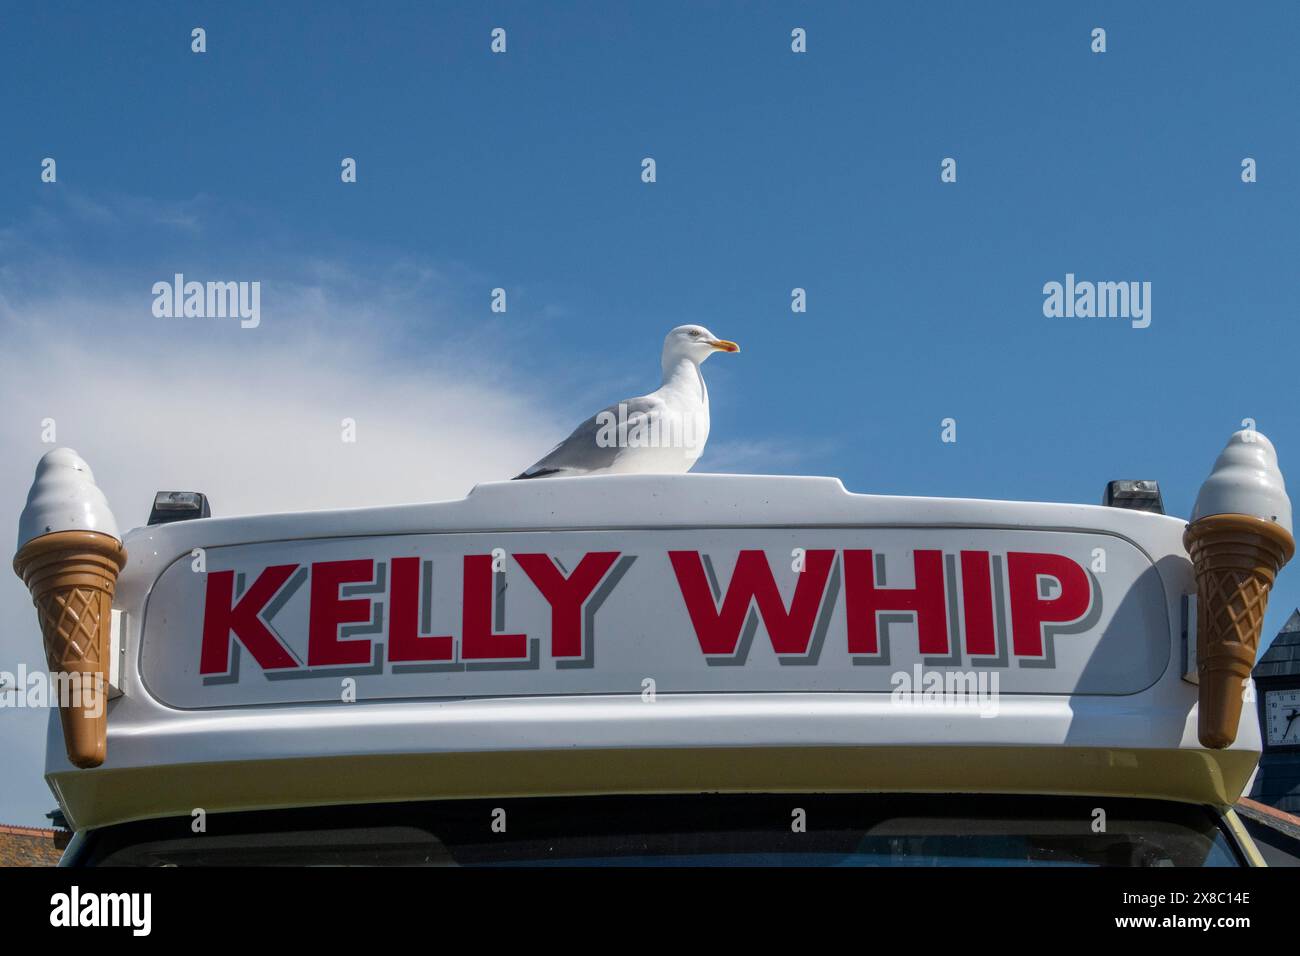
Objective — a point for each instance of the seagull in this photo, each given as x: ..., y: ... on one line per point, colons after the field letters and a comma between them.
x: 660, y: 433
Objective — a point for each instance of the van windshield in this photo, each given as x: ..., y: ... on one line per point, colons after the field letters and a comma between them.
x: 696, y: 830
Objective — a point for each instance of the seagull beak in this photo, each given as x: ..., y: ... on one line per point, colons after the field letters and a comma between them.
x: 722, y: 345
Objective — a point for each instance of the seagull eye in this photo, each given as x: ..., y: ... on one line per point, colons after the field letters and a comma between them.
x: 695, y: 333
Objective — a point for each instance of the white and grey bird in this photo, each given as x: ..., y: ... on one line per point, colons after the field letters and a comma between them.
x: 660, y: 433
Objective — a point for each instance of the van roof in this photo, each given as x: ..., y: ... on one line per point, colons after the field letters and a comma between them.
x: 450, y: 649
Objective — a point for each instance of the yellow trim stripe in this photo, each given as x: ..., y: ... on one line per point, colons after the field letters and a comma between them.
x: 100, y: 797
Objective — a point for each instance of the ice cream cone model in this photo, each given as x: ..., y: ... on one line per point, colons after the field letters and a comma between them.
x: 71, y: 576
x: 1239, y: 539
x: 70, y: 556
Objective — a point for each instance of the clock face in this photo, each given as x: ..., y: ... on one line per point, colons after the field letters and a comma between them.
x: 1282, y: 717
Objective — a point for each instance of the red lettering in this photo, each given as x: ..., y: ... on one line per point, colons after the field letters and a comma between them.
x: 405, y: 643
x: 1029, y: 612
x: 220, y: 618
x: 567, y: 595
x: 977, y: 602
x: 328, y: 611
x: 752, y: 582
x: 477, y: 640
x: 864, y: 601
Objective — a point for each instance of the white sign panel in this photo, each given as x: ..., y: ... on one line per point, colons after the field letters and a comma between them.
x: 697, y: 610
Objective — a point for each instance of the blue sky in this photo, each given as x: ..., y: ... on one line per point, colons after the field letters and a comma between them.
x: 774, y: 170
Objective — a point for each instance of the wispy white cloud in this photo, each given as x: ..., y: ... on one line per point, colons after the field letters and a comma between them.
x: 251, y: 417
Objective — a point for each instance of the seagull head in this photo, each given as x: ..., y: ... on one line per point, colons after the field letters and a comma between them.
x: 693, y: 342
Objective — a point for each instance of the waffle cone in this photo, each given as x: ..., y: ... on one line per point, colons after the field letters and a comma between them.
x: 1236, y: 559
x: 72, y: 576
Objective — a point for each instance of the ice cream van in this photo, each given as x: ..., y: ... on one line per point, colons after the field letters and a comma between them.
x: 660, y: 670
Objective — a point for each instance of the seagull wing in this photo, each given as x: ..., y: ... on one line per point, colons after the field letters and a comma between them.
x: 581, y: 453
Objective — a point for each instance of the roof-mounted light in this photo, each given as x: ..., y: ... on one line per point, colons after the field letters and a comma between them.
x: 1134, y: 494
x: 169, y: 506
